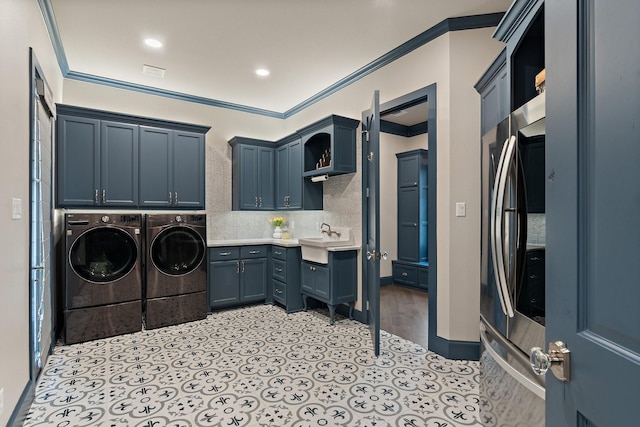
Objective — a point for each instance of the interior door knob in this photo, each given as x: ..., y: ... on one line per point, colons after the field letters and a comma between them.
x: 558, y: 359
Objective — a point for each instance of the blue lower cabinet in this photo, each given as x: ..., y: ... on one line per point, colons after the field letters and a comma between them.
x: 285, y: 275
x: 333, y: 283
x: 237, y: 275
x: 411, y: 274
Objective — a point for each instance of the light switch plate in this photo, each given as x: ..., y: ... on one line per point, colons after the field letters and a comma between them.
x: 16, y: 208
x: 461, y: 209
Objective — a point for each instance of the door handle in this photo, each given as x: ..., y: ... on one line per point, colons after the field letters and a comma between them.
x: 558, y: 359
x: 497, y: 246
x: 377, y: 255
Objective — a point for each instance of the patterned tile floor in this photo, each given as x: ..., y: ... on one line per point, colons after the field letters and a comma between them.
x: 254, y: 366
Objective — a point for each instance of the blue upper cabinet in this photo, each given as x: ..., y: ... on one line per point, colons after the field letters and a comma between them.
x: 171, y: 168
x: 493, y: 88
x: 329, y: 146
x: 108, y: 159
x: 118, y: 164
x: 292, y: 190
x: 252, y: 174
x: 78, y: 157
x: 97, y: 163
x: 188, y: 170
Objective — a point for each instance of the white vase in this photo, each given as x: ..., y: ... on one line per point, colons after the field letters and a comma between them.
x: 277, y: 233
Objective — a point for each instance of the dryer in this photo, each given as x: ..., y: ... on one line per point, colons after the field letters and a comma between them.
x: 176, y: 269
x: 103, y: 275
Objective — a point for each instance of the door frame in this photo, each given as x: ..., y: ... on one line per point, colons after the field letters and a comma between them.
x: 426, y: 94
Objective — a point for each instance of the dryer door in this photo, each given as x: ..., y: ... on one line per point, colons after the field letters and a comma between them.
x: 177, y: 251
x: 103, y: 255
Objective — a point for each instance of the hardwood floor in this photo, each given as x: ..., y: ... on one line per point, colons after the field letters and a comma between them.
x: 403, y: 312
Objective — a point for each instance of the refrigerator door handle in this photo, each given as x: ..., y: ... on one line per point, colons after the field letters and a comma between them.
x: 493, y: 225
x: 497, y: 241
x: 532, y: 386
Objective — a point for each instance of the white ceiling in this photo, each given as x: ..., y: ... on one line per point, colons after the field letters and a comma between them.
x: 212, y: 47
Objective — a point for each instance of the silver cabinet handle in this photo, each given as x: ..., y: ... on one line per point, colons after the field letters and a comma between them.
x: 278, y: 253
x: 254, y: 252
x: 279, y: 270
x: 170, y: 198
x: 96, y: 196
x: 237, y: 267
x: 278, y: 291
x: 104, y: 196
x: 175, y: 197
x: 243, y: 266
x: 224, y: 253
x: 256, y: 204
x: 404, y: 274
x: 535, y: 258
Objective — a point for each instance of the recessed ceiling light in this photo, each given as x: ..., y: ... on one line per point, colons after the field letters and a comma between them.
x: 153, y: 43
x: 262, y: 72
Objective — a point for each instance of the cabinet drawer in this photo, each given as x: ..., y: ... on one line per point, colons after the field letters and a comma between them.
x: 224, y: 253
x: 279, y: 253
x: 405, y: 274
x: 259, y: 251
x: 279, y: 270
x: 279, y: 292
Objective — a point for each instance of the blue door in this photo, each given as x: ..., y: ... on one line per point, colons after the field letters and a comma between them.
x: 592, y: 204
x: 371, y: 214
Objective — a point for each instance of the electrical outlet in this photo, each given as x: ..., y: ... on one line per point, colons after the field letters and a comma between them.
x: 461, y: 209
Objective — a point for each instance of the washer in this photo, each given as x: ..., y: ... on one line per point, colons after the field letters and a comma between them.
x: 103, y: 275
x: 176, y: 269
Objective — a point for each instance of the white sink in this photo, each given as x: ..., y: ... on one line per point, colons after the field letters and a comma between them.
x: 316, y: 249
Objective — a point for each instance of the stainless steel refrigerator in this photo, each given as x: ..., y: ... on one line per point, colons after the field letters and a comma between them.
x: 512, y: 275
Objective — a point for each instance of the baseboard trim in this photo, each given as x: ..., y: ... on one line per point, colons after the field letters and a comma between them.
x: 456, y: 350
x: 22, y: 407
x: 387, y: 280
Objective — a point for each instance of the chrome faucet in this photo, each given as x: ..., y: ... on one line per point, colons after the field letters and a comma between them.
x: 329, y: 232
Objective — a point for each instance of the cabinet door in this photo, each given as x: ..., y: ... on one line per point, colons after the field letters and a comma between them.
x: 295, y: 175
x: 409, y: 171
x: 78, y: 174
x: 322, y: 282
x: 119, y: 164
x: 248, y: 166
x: 307, y: 277
x: 188, y: 170
x: 254, y: 279
x: 408, y: 222
x: 156, y: 171
x: 282, y: 176
x: 265, y: 178
x: 224, y: 283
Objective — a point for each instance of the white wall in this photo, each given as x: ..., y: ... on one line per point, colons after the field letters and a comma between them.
x: 21, y: 27
x: 389, y: 146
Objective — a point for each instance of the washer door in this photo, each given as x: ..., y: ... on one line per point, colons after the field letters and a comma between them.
x: 103, y: 255
x: 177, y: 251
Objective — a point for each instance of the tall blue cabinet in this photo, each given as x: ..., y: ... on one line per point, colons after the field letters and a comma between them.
x: 410, y: 267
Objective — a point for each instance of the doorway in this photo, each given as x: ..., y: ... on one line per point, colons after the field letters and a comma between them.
x: 396, y: 117
x: 403, y: 300
x: 41, y: 308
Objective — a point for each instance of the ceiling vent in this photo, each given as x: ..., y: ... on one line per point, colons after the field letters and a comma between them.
x: 150, y: 70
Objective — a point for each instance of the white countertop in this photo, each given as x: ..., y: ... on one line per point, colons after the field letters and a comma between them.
x: 288, y: 243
